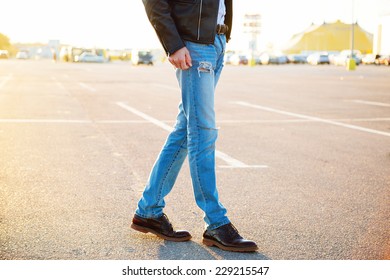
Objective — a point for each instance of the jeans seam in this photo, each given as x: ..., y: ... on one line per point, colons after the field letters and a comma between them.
x: 197, y: 149
x: 168, y: 171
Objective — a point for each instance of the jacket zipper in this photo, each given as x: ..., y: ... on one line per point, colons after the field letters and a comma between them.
x: 200, y: 17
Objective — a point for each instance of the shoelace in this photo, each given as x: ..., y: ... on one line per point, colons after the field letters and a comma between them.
x: 166, y: 223
x: 233, y: 230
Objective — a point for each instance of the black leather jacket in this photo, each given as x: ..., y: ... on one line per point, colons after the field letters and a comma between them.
x: 192, y: 20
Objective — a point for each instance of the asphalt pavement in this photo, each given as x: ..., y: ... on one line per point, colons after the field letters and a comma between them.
x: 303, y: 161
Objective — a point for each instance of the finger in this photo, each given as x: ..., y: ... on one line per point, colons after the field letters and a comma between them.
x: 172, y: 60
x: 188, y: 59
x: 173, y: 63
x: 183, y: 65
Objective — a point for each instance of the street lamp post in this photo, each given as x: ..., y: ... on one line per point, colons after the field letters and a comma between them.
x: 252, y: 26
x: 351, y: 64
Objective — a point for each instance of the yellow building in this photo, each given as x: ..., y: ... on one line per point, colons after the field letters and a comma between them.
x: 330, y: 37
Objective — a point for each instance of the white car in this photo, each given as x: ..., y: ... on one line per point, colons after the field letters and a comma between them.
x: 22, y: 55
x: 89, y: 57
x: 369, y: 59
x: 4, y: 54
x: 318, y: 58
x: 344, y: 56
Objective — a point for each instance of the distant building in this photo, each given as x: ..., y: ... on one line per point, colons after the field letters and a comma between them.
x: 331, y: 37
x: 382, y: 36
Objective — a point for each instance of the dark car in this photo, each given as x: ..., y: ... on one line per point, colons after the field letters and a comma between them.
x: 142, y: 57
x: 297, y: 58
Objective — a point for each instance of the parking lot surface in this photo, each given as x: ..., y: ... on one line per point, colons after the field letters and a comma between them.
x: 303, y: 161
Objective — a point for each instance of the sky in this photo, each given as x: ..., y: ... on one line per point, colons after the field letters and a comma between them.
x: 120, y: 24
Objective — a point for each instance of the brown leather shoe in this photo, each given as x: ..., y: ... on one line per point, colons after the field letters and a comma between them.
x: 160, y: 227
x: 227, y: 238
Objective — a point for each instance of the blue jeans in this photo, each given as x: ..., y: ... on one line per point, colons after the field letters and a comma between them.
x: 194, y: 135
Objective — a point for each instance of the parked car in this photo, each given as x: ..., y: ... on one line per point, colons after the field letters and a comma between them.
x: 297, y: 58
x: 69, y: 53
x: 141, y: 57
x: 383, y: 60
x: 238, y: 59
x: 344, y: 56
x: 89, y: 57
x: 227, y: 57
x: 4, y: 54
x: 271, y: 58
x: 22, y: 55
x: 370, y: 58
x: 318, y: 58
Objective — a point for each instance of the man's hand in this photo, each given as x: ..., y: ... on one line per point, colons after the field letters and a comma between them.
x: 181, y: 59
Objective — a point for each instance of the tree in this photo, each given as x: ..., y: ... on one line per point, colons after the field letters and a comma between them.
x: 4, y: 42
x: 6, y: 45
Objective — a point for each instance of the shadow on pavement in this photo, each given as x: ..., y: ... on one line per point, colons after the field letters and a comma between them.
x: 194, y: 251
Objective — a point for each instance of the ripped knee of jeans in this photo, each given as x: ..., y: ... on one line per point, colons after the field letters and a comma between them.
x: 208, y: 134
x: 205, y: 67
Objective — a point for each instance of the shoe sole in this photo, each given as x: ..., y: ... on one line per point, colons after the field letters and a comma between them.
x: 149, y: 230
x: 210, y: 243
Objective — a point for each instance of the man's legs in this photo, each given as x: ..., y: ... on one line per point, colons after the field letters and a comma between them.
x: 198, y: 85
x: 196, y: 131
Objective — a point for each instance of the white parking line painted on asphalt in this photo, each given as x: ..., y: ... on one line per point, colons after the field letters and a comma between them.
x: 145, y: 116
x: 363, y: 120
x: 231, y: 162
x: 234, y: 163
x: 65, y: 121
x: 268, y: 109
x: 121, y: 121
x: 5, y: 80
x: 370, y: 103
x: 261, y: 121
x: 59, y: 84
x: 87, y: 87
x: 45, y: 121
x: 169, y: 121
x: 300, y: 121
